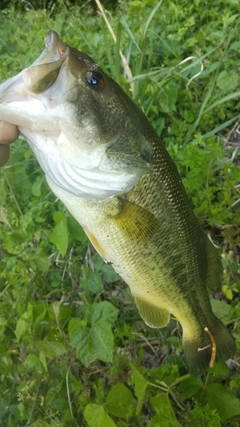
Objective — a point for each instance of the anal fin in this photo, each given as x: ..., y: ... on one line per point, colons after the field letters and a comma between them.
x: 155, y: 317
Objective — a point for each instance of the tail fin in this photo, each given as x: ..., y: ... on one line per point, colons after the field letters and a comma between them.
x: 198, y: 352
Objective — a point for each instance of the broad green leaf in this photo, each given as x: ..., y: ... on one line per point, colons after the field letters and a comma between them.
x: 94, y: 342
x: 165, y: 414
x: 61, y: 404
x: 44, y: 348
x: 43, y: 360
x: 224, y: 401
x: 43, y: 263
x: 74, y: 324
x: 109, y: 273
x: 189, y: 387
x: 169, y: 97
x: 220, y: 369
x: 59, y: 235
x: 93, y: 282
x: 52, y: 393
x: 39, y: 312
x: 36, y: 187
x: 67, y: 420
x: 60, y: 312
x: 59, y: 216
x: 33, y: 363
x: 101, y: 311
x: 97, y: 343
x: 120, y: 401
x: 97, y: 262
x: 222, y: 310
x: 75, y: 230
x: 57, y: 348
x: 24, y: 323
x: 52, y: 348
x: 140, y: 386
x: 96, y: 416
x: 227, y: 82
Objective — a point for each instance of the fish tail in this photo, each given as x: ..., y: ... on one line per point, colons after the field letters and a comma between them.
x: 213, y: 344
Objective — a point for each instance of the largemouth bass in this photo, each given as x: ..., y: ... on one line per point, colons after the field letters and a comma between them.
x: 104, y: 161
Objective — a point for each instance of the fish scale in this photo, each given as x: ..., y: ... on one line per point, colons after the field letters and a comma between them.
x: 104, y: 161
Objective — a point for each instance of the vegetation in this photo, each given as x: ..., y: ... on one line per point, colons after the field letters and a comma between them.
x: 73, y: 349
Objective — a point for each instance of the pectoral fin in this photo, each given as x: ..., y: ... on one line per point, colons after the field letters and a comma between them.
x: 155, y: 317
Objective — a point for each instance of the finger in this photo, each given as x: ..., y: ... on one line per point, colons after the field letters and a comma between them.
x: 4, y: 154
x: 8, y: 133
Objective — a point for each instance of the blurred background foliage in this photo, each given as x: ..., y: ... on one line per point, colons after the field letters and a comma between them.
x: 73, y: 349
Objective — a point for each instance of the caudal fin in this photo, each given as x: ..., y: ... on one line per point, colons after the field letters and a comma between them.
x: 199, y: 352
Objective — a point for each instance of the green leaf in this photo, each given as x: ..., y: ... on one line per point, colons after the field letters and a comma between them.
x: 95, y: 340
x: 140, y: 386
x: 61, y: 404
x: 227, y: 81
x: 224, y: 401
x: 59, y: 236
x: 101, y: 311
x: 42, y: 263
x: 24, y: 323
x: 93, y: 282
x: 36, y: 187
x: 169, y: 97
x: 109, y: 273
x: 12, y: 241
x: 97, y: 343
x: 33, y: 362
x: 52, y: 348
x: 96, y: 416
x: 39, y: 312
x: 189, y: 387
x: 43, y: 360
x: 97, y: 262
x: 120, y: 401
x: 220, y: 369
x: 165, y: 415
x: 75, y: 230
x: 222, y: 310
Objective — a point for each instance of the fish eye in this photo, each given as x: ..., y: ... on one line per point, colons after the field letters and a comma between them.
x: 95, y: 80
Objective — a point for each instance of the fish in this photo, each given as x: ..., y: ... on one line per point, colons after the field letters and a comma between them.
x: 105, y: 162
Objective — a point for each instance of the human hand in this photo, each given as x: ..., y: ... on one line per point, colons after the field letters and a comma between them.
x: 8, y: 133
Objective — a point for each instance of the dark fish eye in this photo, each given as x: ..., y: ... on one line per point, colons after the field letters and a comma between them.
x: 95, y: 80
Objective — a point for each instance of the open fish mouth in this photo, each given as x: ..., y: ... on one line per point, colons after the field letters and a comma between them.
x: 69, y: 126
x: 46, y: 66
x: 54, y: 49
x: 44, y: 71
x: 27, y: 98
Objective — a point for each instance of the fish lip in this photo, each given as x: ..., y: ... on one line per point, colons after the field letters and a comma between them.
x: 51, y: 40
x: 54, y: 50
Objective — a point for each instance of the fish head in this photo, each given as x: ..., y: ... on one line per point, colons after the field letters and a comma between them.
x: 86, y: 133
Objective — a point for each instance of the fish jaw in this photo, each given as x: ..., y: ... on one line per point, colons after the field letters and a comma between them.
x: 20, y: 101
x: 48, y: 101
